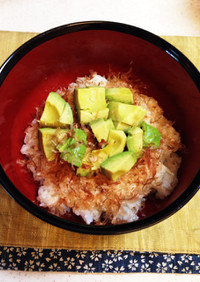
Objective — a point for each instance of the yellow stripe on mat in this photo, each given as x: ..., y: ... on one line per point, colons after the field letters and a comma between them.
x: 178, y: 234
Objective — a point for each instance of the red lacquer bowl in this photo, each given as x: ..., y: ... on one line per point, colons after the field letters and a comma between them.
x: 55, y: 58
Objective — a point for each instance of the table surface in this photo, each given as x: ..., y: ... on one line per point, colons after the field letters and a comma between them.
x: 162, y: 17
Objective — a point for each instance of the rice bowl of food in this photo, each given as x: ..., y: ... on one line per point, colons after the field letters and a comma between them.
x: 101, y: 137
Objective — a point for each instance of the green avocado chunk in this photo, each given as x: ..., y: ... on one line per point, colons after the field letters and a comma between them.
x: 90, y: 103
x: 135, y: 140
x: 57, y: 112
x: 152, y: 135
x: 50, y: 138
x: 73, y: 150
x: 121, y: 125
x: 92, y: 161
x: 86, y: 116
x: 102, y: 114
x: 129, y: 114
x: 101, y: 128
x: 123, y: 95
x: 92, y: 99
x: 66, y: 116
x: 116, y: 142
x: 85, y: 168
x: 118, y: 165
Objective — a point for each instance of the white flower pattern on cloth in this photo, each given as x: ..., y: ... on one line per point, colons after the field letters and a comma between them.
x: 38, y: 259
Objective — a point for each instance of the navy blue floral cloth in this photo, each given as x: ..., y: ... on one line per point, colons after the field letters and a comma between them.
x: 33, y: 259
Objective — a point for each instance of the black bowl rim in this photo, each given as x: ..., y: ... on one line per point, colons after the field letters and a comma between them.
x: 84, y: 228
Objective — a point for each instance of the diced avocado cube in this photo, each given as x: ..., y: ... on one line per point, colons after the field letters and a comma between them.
x: 101, y: 128
x: 86, y: 116
x: 48, y: 145
x: 91, y: 161
x: 123, y: 95
x: 135, y: 140
x: 118, y: 165
x: 50, y: 116
x: 121, y: 125
x: 129, y: 114
x: 91, y: 99
x: 50, y: 137
x: 151, y: 136
x: 98, y: 157
x: 57, y: 111
x: 132, y: 130
x: 102, y: 113
x: 66, y: 116
x: 116, y: 142
x: 90, y: 103
x: 108, y: 148
x: 85, y: 168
